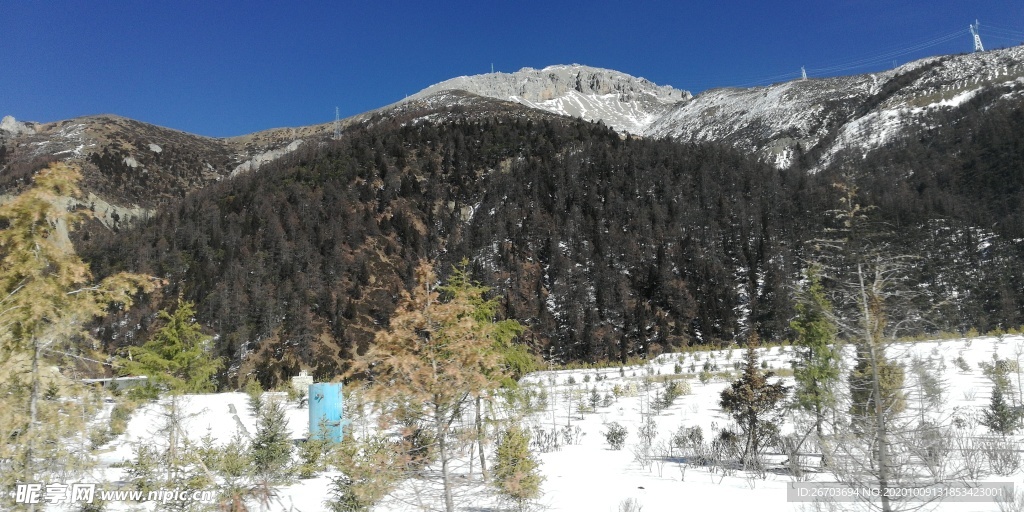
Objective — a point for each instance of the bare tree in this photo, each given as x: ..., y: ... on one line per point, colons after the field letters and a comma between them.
x: 877, y: 443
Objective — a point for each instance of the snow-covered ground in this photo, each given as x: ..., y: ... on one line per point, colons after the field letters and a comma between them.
x: 588, y: 476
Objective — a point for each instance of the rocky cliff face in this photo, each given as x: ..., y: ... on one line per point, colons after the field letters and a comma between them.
x: 9, y: 127
x: 621, y: 101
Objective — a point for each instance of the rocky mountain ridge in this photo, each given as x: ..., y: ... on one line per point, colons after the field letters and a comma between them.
x: 778, y: 121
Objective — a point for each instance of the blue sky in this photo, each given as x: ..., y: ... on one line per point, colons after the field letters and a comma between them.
x: 226, y: 68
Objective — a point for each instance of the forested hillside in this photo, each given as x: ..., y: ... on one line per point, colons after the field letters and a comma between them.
x: 604, y: 247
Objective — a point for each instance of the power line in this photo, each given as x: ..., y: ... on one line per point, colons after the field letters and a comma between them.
x: 888, y: 55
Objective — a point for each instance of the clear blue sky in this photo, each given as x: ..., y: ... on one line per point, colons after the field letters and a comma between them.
x: 223, y: 68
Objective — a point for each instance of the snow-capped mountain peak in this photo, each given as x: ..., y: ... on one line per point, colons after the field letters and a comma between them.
x: 624, y: 102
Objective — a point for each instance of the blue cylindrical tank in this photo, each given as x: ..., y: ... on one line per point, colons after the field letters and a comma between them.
x: 325, y: 411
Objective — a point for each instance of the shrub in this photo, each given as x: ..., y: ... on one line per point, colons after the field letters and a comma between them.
x: 961, y: 364
x: 1003, y: 455
x: 630, y: 505
x: 648, y: 431
x: 615, y: 436
x: 675, y: 389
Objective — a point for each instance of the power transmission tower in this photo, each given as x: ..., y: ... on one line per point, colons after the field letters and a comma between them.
x: 337, y: 124
x: 977, y: 37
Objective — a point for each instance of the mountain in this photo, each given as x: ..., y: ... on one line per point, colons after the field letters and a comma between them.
x: 607, y: 245
x: 604, y: 246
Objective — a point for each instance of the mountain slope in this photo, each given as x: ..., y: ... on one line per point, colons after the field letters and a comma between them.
x: 605, y: 247
x: 829, y: 115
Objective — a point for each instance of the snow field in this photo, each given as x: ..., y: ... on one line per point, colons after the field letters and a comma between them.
x: 588, y: 475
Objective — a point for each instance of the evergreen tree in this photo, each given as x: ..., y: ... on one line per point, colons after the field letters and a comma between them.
x: 370, y: 467
x: 177, y: 356
x: 1001, y: 417
x: 177, y: 360
x: 876, y: 382
x: 271, y: 446
x: 753, y: 403
x: 516, y: 469
x: 817, y: 369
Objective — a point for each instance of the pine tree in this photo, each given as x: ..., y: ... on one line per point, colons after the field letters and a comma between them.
x: 876, y: 382
x: 817, y: 369
x: 177, y: 360
x: 271, y: 446
x: 177, y: 356
x: 1000, y: 417
x: 753, y: 403
x: 516, y: 469
x: 515, y: 359
x: 370, y: 467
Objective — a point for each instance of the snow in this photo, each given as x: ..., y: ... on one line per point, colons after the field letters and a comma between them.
x: 629, y: 117
x: 589, y: 476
